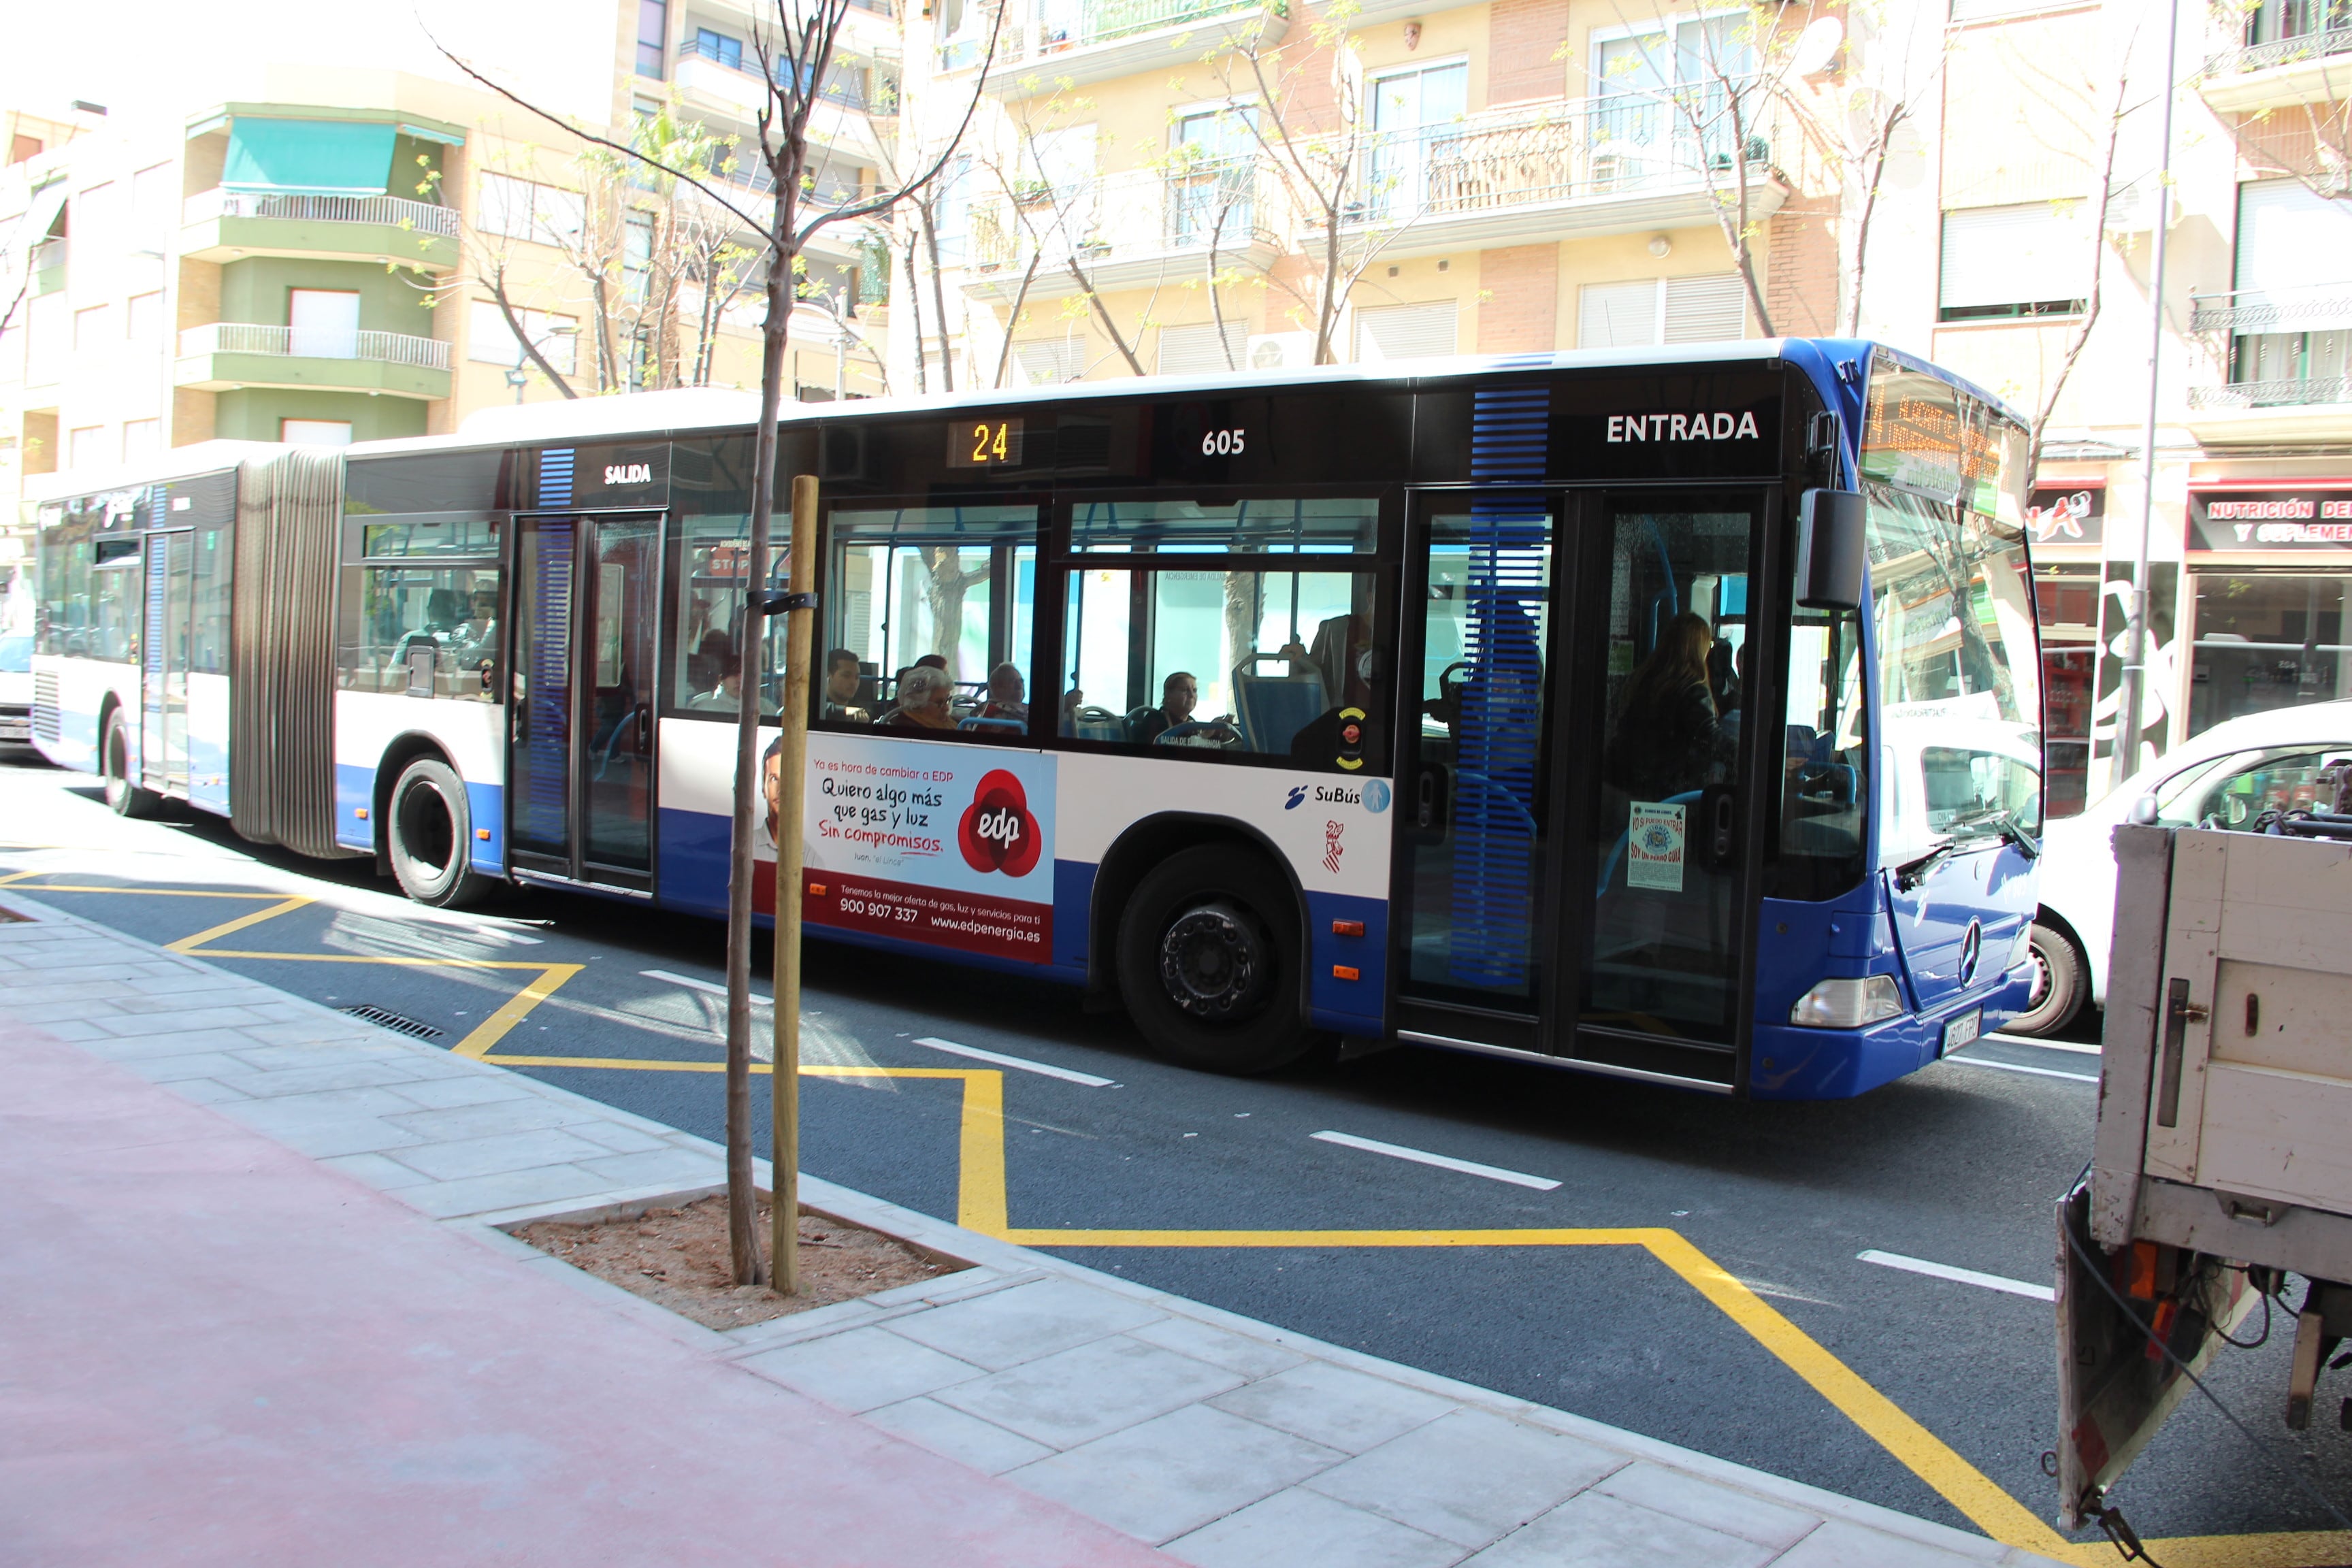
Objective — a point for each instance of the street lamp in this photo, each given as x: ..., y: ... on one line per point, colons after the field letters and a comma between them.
x: 518, y: 377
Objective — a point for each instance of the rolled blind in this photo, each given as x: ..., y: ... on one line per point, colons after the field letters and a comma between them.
x: 2289, y: 238
x: 1050, y: 361
x: 1405, y: 331
x: 1706, y: 309
x: 2022, y: 255
x: 1195, y: 349
x: 1617, y: 315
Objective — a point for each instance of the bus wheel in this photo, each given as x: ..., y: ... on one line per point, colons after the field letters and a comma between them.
x: 1209, y: 962
x: 126, y: 798
x: 2060, y: 985
x: 429, y: 834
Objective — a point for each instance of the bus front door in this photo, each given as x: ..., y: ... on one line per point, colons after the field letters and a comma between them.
x: 1573, y: 818
x: 580, y: 772
x: 163, y: 662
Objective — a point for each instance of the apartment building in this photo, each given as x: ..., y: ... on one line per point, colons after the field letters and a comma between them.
x: 1189, y: 186
x: 352, y: 254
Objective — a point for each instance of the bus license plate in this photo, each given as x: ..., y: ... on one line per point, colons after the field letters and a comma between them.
x: 1962, y: 1030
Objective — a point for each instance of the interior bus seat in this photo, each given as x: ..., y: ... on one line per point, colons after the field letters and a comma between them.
x: 1273, y: 707
x: 1089, y: 723
x: 1130, y: 725
x: 994, y: 726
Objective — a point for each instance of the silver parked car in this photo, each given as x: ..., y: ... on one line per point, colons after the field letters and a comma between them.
x: 2223, y: 778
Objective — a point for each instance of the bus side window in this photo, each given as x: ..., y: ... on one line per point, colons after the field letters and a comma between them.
x: 949, y: 589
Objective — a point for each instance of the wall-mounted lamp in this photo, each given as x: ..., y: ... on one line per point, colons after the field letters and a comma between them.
x: 1412, y: 36
x: 1661, y: 247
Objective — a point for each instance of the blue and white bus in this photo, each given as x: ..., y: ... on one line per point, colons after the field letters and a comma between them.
x: 1495, y: 705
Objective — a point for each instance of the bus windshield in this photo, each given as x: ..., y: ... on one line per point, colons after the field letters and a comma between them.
x: 1951, y: 616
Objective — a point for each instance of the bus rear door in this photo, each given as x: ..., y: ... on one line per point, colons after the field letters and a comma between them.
x: 579, y: 769
x: 163, y: 662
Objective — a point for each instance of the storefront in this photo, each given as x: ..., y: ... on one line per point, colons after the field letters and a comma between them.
x: 2269, y: 566
x: 2069, y: 523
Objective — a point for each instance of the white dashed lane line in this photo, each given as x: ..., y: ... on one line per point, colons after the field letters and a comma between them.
x: 2075, y: 1046
x: 1443, y: 1162
x: 1958, y: 1275
x: 708, y: 987
x: 2015, y: 1067
x: 1019, y: 1064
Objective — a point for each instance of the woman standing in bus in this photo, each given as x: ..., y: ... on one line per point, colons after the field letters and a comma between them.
x: 1669, y: 738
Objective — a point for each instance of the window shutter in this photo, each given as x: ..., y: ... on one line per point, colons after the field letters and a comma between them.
x: 1405, y: 331
x: 1706, y: 309
x: 1049, y: 361
x: 1617, y: 315
x: 2016, y: 255
x: 1195, y: 349
x: 2290, y: 238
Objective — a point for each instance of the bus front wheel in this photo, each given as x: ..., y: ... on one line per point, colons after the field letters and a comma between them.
x: 430, y: 833
x: 125, y: 797
x: 1208, y: 961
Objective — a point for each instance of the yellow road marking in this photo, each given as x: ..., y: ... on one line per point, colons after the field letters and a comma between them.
x: 982, y: 1205
x: 189, y: 944
x: 515, y: 1009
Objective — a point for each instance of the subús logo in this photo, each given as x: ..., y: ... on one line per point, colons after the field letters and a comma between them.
x: 997, y: 832
x: 1297, y: 793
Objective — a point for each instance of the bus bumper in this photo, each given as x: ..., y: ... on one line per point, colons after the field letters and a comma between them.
x: 1792, y: 1063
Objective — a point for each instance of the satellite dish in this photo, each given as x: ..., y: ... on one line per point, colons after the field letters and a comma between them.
x: 1816, y: 46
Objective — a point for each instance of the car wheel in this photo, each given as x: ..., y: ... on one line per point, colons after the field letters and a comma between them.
x: 430, y: 834
x: 1209, y: 957
x: 126, y: 797
x: 2061, y: 983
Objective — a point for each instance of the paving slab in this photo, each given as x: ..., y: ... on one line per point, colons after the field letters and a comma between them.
x: 1597, y: 1530
x: 1174, y: 1474
x: 1298, y: 1526
x: 1469, y: 1476
x: 1042, y: 1318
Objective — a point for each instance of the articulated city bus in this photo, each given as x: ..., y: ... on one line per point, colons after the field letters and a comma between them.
x: 1496, y: 705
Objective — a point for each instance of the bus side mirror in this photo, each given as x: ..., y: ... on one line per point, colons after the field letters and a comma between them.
x: 1830, y: 550
x: 2144, y: 812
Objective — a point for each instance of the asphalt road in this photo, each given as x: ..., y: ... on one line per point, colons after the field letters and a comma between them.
x: 1958, y: 1165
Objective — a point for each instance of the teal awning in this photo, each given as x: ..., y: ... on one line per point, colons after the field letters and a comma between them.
x: 327, y: 157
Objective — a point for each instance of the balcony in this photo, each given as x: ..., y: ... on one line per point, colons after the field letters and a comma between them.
x: 2250, y: 310
x: 1098, y: 40
x: 1624, y: 163
x: 2298, y: 410
x: 225, y: 356
x: 2309, y: 68
x: 221, y: 225
x: 1133, y: 229
x: 716, y: 79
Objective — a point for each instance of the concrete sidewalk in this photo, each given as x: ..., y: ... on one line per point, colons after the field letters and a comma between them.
x: 291, y: 1332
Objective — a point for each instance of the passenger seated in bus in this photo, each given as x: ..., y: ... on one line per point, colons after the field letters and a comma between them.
x: 1178, y: 695
x: 843, y: 676
x: 711, y: 658
x: 1345, y: 657
x: 924, y: 698
x: 1669, y: 739
x: 444, y: 611
x: 1007, y: 694
x: 725, y: 678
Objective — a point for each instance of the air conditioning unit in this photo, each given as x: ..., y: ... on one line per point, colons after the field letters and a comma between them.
x: 1281, y: 350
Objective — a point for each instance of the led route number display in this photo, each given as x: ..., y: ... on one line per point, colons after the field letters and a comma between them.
x: 984, y: 444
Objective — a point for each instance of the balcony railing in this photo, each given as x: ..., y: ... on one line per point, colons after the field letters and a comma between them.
x: 395, y: 212
x: 2243, y: 310
x: 2271, y: 393
x: 2281, y: 52
x: 846, y: 86
x: 313, y: 342
x: 1622, y: 143
x: 1067, y: 27
x: 1132, y: 215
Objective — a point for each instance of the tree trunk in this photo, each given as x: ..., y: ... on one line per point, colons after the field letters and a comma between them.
x: 939, y: 299
x: 944, y: 592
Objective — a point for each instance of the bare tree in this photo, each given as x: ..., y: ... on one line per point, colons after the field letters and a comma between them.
x: 794, y: 45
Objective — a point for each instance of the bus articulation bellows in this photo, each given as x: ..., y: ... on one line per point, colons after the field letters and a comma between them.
x: 1511, y: 705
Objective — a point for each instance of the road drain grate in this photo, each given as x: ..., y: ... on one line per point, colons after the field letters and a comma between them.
x: 385, y: 1018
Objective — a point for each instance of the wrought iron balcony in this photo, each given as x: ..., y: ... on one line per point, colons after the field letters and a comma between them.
x: 2246, y: 311
x: 1124, y: 229
x: 2282, y: 52
x: 313, y: 342
x: 2290, y: 394
x: 395, y: 212
x: 1050, y: 31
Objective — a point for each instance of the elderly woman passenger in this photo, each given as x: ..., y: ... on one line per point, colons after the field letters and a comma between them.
x: 924, y: 696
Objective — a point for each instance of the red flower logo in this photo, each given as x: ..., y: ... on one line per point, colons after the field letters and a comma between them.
x: 997, y: 832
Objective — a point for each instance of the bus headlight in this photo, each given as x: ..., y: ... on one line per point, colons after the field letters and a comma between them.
x: 1848, y: 1004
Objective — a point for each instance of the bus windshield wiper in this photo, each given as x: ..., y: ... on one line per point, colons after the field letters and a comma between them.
x: 2003, y: 821
x: 1911, y: 873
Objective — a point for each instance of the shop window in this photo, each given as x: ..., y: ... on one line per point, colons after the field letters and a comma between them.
x: 2266, y: 640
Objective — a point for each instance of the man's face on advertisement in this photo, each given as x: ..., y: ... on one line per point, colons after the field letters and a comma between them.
x: 772, y: 785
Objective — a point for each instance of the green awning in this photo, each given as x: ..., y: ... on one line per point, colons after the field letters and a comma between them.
x: 325, y: 157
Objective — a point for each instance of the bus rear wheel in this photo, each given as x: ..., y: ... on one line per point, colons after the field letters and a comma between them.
x: 1209, y: 962
x: 429, y: 834
x: 125, y: 797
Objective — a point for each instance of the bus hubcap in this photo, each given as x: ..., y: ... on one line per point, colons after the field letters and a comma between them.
x: 425, y: 830
x: 1210, y: 962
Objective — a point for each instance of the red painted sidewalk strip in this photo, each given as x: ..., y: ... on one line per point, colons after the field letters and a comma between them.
x: 215, y: 1351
